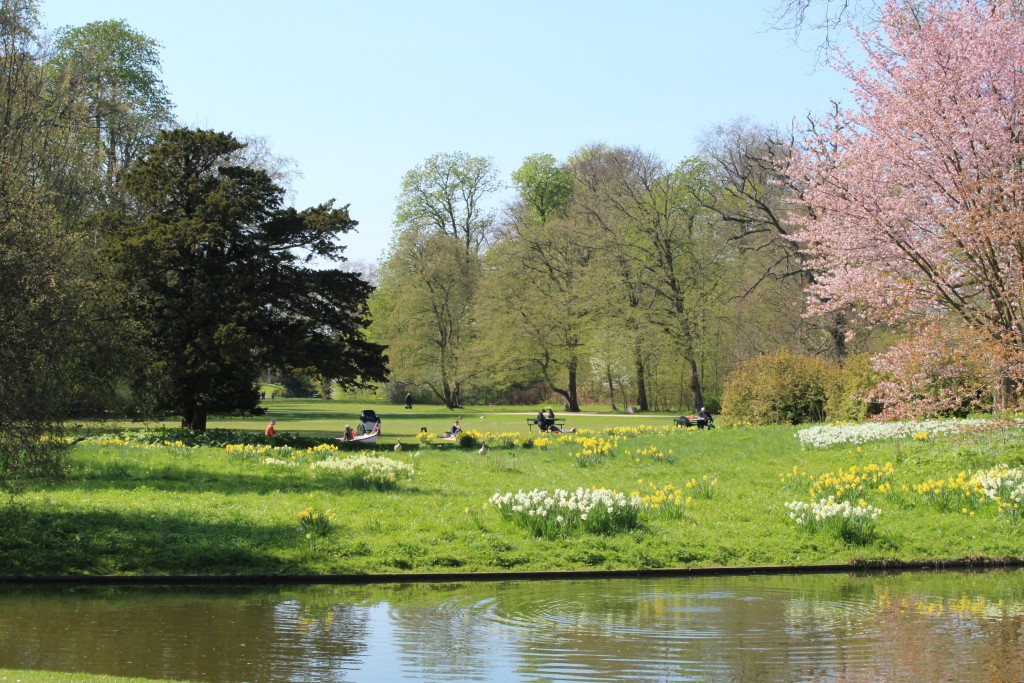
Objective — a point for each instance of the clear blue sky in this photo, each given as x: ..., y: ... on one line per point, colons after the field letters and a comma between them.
x: 358, y: 93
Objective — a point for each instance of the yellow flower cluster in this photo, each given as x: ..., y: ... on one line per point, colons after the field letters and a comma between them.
x: 850, y: 484
x: 123, y: 443
x: 664, y: 500
x: 920, y: 436
x: 247, y: 449
x: 315, y: 524
x: 651, y: 452
x: 322, y: 448
x: 595, y: 448
x: 960, y: 493
x: 703, y: 487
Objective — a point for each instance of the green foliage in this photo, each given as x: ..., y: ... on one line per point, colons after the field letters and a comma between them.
x: 779, y: 388
x: 467, y: 439
x: 221, y: 281
x: 846, y: 396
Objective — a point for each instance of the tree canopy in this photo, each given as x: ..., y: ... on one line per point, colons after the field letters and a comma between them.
x: 223, y: 282
x: 913, y: 198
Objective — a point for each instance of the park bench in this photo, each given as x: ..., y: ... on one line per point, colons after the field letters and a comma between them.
x: 691, y: 421
x: 559, y: 422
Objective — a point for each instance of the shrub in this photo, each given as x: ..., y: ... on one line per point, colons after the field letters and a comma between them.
x: 846, y: 397
x: 943, y: 370
x: 779, y: 388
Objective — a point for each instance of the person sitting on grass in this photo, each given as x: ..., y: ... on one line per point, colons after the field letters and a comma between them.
x: 349, y: 434
x: 270, y: 431
x: 456, y: 428
x: 555, y: 429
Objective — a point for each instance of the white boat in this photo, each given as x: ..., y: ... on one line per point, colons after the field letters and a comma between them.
x: 364, y: 439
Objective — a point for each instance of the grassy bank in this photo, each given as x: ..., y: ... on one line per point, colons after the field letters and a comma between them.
x: 176, y: 510
x: 33, y: 676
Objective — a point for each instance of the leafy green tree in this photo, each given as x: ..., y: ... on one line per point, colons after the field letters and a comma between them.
x: 428, y: 285
x: 653, y: 217
x: 109, y: 78
x: 38, y: 333
x: 423, y: 310
x: 534, y: 281
x: 447, y: 193
x: 223, y: 283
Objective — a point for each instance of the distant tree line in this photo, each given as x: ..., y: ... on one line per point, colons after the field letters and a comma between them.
x: 891, y: 227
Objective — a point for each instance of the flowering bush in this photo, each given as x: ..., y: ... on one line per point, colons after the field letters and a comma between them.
x: 367, y: 470
x: 852, y: 523
x: 551, y: 514
x: 944, y: 370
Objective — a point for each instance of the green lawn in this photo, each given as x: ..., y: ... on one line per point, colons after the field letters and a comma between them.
x: 172, y: 510
x: 315, y: 417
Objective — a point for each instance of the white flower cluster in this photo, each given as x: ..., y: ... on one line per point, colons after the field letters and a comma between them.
x: 580, y: 502
x: 814, y: 515
x: 593, y: 509
x: 824, y: 436
x: 1003, y: 484
x: 371, y: 469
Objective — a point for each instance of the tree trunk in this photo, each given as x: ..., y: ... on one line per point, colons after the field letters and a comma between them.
x: 194, y: 418
x: 837, y: 334
x: 641, y: 381
x: 573, y: 402
x: 611, y: 386
x: 698, y: 395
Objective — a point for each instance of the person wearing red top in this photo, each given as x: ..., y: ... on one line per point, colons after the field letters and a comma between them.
x: 270, y: 431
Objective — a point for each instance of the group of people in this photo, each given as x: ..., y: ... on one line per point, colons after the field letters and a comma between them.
x: 546, y: 422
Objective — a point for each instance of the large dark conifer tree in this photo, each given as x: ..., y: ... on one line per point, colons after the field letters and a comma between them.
x: 226, y: 281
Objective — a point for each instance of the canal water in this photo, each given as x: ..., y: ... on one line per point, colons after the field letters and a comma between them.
x: 913, y: 626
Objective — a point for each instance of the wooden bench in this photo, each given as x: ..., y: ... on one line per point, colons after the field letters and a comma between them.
x: 692, y: 421
x: 559, y: 422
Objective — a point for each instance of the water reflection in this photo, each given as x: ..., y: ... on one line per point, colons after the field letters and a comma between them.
x: 841, y: 628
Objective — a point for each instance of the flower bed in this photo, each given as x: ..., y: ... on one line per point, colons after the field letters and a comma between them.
x: 367, y: 470
x: 826, y: 436
x: 852, y: 523
x: 551, y: 514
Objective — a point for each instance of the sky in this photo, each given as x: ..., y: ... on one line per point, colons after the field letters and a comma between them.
x: 357, y: 93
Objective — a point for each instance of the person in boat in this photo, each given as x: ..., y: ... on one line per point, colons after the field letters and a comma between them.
x: 270, y: 431
x: 349, y: 434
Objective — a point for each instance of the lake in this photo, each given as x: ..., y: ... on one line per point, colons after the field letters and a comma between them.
x: 908, y: 626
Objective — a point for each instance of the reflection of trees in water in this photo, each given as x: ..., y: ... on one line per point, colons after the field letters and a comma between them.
x: 178, y: 633
x: 839, y: 628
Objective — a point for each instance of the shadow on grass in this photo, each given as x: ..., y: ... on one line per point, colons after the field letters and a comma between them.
x: 44, y: 543
x: 183, y: 479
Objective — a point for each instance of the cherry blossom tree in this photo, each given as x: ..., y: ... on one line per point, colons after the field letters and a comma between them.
x: 915, y: 197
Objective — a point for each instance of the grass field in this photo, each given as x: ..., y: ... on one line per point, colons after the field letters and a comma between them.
x: 171, y: 509
x: 314, y: 417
